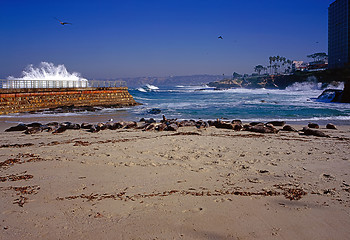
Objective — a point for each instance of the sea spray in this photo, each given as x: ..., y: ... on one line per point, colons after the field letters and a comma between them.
x: 46, y: 75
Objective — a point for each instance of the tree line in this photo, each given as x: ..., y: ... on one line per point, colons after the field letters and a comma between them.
x: 278, y: 62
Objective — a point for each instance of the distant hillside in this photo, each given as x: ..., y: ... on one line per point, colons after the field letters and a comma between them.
x: 171, y: 81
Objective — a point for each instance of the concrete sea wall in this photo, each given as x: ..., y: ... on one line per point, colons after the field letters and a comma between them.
x: 34, y: 99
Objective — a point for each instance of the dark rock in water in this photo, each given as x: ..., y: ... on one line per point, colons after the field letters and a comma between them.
x: 19, y: 127
x: 35, y: 124
x: 313, y: 125
x: 172, y: 127
x: 330, y: 95
x: 33, y: 130
x: 312, y: 132
x: 331, y: 126
x: 142, y: 120
x: 289, y: 128
x: 277, y: 123
x: 154, y: 111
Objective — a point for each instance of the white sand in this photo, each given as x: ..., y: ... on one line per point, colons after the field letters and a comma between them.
x: 129, y: 184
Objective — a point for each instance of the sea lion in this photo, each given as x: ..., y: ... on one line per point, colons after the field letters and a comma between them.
x: 277, y: 123
x: 289, y: 128
x: 261, y: 128
x: 19, y: 127
x: 34, y: 124
x: 331, y: 126
x: 313, y: 125
x: 86, y: 125
x: 236, y: 121
x: 60, y: 129
x: 308, y: 131
x: 172, y: 127
x: 33, y: 130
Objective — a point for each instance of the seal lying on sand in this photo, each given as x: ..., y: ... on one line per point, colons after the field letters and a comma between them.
x: 307, y: 131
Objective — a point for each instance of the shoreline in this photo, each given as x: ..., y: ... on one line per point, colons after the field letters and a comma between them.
x: 192, y: 183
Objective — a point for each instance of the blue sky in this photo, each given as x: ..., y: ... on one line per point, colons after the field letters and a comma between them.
x: 110, y: 39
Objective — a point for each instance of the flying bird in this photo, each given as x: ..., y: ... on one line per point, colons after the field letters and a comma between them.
x: 220, y: 37
x: 63, y: 23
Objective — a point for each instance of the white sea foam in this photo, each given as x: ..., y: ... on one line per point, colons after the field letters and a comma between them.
x: 152, y: 87
x: 141, y: 90
x: 47, y: 75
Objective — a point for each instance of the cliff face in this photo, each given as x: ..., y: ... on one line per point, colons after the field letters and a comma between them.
x: 282, y: 81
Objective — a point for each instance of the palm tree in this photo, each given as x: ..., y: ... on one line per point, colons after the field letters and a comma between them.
x: 270, y: 60
x: 258, y: 68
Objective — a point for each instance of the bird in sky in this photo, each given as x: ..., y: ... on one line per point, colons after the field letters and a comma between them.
x: 63, y: 23
x: 220, y: 37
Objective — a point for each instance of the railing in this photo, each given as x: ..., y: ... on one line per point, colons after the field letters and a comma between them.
x: 59, y: 83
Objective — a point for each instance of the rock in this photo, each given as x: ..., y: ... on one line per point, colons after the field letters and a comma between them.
x: 331, y: 126
x: 308, y: 131
x: 19, y: 127
x: 277, y: 123
x: 154, y: 111
x: 313, y: 125
x: 289, y: 128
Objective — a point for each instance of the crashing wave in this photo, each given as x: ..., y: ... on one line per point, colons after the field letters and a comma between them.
x: 46, y: 75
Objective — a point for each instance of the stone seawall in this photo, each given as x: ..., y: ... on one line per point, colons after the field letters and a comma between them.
x: 34, y: 99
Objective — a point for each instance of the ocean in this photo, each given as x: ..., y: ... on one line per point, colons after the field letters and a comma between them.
x: 296, y: 104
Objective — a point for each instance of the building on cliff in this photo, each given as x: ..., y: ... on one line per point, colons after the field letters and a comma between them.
x: 338, y: 34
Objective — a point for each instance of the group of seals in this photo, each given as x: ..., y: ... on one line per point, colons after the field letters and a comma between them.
x: 169, y: 125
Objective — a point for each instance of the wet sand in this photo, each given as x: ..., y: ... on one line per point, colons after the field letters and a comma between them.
x: 190, y: 184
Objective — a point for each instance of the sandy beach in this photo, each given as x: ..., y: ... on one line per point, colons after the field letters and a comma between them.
x: 190, y: 184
